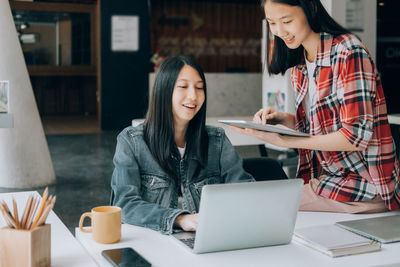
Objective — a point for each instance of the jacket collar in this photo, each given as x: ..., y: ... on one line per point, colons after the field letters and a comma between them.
x: 187, y: 155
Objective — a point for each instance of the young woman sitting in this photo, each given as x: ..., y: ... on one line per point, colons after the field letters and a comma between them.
x: 162, y: 164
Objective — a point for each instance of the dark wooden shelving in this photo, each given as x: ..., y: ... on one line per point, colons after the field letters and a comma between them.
x: 62, y: 70
x: 53, y: 6
x: 67, y: 90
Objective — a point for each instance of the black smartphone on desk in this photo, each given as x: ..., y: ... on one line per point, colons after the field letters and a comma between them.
x: 124, y: 257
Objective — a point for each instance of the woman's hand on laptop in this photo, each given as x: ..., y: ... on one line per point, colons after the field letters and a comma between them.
x: 188, y: 222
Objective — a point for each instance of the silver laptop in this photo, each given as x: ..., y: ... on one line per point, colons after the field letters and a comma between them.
x: 383, y: 229
x: 245, y: 215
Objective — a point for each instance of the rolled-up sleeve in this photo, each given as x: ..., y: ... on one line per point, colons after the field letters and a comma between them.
x: 357, y: 89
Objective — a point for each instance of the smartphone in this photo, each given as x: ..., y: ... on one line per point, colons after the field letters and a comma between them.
x: 124, y: 257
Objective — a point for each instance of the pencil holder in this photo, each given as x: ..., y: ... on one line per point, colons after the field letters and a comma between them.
x: 25, y: 248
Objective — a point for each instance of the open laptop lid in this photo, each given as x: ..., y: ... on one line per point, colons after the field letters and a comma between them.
x: 246, y: 215
x: 383, y: 229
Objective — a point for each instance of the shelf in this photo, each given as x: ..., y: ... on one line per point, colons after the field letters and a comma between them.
x: 61, y: 87
x: 62, y: 15
x: 46, y: 70
x: 6, y: 120
x: 53, y: 7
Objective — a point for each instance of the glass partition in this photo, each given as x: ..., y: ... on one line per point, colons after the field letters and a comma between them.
x: 54, y: 38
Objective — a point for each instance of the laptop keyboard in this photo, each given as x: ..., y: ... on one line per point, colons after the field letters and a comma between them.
x: 188, y: 242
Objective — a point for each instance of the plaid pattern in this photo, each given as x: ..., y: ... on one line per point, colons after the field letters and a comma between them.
x: 349, y: 99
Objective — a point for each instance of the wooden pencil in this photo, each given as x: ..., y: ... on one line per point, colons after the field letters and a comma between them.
x: 4, y: 216
x: 28, y: 210
x: 51, y: 204
x: 15, y: 213
x: 42, y: 207
x: 32, y: 215
x: 4, y: 204
x: 9, y: 219
x: 25, y: 213
x: 43, y: 218
x: 8, y: 216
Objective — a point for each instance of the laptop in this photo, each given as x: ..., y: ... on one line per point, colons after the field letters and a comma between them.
x: 383, y: 229
x: 244, y: 215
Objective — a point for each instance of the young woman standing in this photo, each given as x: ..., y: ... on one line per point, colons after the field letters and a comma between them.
x: 349, y: 162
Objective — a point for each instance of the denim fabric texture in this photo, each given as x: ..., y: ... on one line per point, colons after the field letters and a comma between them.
x: 148, y: 195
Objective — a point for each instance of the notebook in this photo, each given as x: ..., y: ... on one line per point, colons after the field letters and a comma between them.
x: 383, y: 229
x: 245, y: 215
x: 334, y: 241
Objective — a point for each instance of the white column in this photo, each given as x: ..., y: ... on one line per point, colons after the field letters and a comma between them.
x: 276, y: 84
x: 24, y: 155
x: 339, y: 9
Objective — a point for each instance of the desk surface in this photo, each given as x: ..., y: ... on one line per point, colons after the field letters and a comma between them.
x: 162, y: 250
x: 65, y: 249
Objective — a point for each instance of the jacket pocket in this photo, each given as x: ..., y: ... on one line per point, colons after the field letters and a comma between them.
x: 154, y: 189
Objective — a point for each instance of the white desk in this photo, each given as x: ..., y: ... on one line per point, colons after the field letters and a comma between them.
x: 162, y: 250
x: 236, y: 138
x: 65, y: 249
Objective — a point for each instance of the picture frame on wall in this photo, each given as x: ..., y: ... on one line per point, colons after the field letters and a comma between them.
x: 4, y: 96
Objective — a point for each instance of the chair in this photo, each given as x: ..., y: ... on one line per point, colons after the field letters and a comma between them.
x: 264, y: 169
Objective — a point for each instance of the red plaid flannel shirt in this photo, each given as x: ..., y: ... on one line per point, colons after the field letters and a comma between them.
x: 349, y: 99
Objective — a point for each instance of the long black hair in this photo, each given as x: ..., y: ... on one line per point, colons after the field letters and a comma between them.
x: 282, y: 57
x: 159, y: 122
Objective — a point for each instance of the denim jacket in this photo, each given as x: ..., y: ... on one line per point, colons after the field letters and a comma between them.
x: 148, y: 195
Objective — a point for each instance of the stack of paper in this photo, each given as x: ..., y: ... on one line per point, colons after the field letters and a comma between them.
x: 334, y: 241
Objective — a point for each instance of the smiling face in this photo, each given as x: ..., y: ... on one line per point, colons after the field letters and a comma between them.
x: 188, y: 95
x: 288, y: 23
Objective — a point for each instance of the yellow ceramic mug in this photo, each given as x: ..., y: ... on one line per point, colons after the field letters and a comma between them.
x: 106, y: 224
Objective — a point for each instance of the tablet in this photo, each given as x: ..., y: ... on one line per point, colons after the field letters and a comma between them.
x: 280, y: 129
